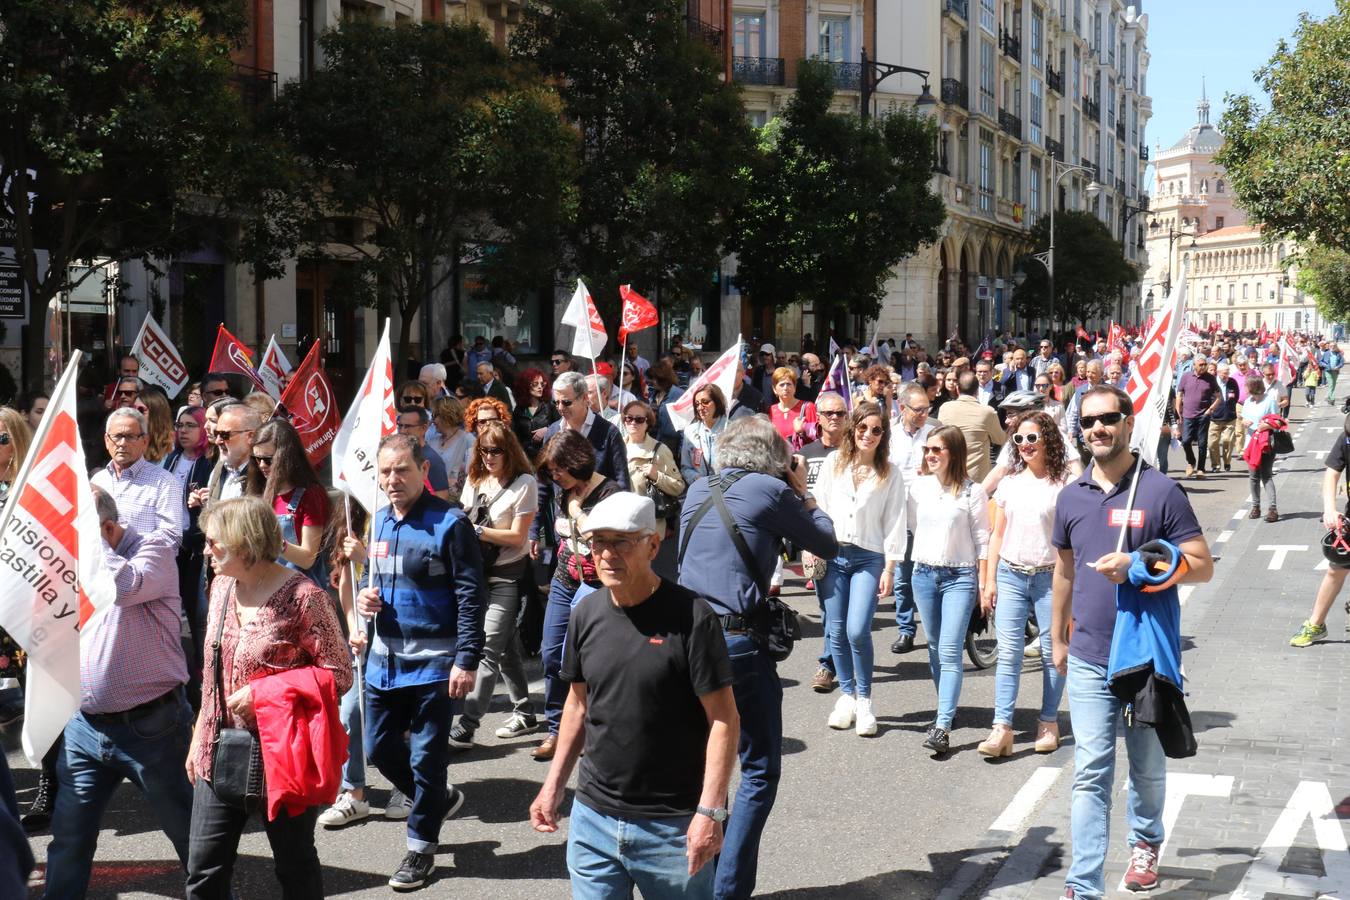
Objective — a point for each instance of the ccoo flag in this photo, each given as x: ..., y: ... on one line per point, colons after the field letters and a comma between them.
x: 372, y: 417
x: 314, y: 413
x: 588, y: 338
x: 722, y: 373
x: 161, y: 363
x: 52, y: 576
x: 1150, y: 382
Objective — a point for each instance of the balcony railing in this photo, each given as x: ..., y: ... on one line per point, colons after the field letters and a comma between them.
x: 256, y: 87
x: 1010, y: 123
x: 847, y: 75
x: 954, y: 91
x: 1055, y: 80
x: 1054, y: 148
x: 1120, y: 131
x: 1090, y: 166
x: 1143, y: 152
x: 1092, y: 109
x: 1120, y: 186
x: 956, y: 8
x: 941, y: 167
x: 705, y: 32
x: 757, y: 70
x: 1010, y: 45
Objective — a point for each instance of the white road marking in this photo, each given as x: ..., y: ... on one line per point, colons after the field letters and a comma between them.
x: 1311, y: 800
x: 1023, y: 803
x: 1184, y: 593
x: 1280, y: 551
x: 1223, y: 536
x: 1320, y: 454
x: 1180, y: 785
x: 1322, y: 566
x: 1331, y: 429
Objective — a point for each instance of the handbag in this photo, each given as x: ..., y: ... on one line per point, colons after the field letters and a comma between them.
x: 482, y: 515
x: 1281, y: 442
x: 236, y: 764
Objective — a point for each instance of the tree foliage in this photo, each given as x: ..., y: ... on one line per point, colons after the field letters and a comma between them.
x: 833, y: 202
x: 1090, y: 270
x: 662, y: 138
x: 1289, y: 165
x: 429, y: 143
x: 117, y: 123
x: 1324, y: 272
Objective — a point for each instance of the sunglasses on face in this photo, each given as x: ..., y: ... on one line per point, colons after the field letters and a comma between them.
x: 934, y: 451
x: 122, y: 393
x: 557, y: 362
x: 490, y: 451
x: 412, y: 401
x: 262, y: 460
x: 226, y: 435
x: 863, y: 430
x: 833, y: 413
x: 220, y: 393
x: 565, y: 404
x: 1110, y: 418
x: 1020, y: 439
x: 635, y: 420
x: 613, y: 545
x: 1042, y: 386
x: 703, y: 402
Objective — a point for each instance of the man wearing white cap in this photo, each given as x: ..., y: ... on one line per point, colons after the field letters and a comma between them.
x: 651, y: 698
x: 761, y: 376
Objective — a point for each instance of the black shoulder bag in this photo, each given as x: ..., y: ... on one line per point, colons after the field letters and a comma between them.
x: 236, y: 766
x: 482, y: 515
x: 773, y: 624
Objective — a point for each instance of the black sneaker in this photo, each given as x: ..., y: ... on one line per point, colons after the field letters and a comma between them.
x: 938, y: 740
x: 461, y: 738
x: 456, y: 801
x: 39, y: 815
x: 519, y: 725
x: 413, y: 872
x: 10, y: 713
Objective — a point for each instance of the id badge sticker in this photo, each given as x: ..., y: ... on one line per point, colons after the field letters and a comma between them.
x: 1116, y: 518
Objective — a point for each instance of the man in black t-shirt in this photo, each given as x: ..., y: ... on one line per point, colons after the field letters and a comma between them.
x: 1335, y: 497
x: 650, y: 695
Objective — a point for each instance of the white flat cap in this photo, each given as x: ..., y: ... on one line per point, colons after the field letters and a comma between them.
x: 623, y: 512
x: 766, y: 348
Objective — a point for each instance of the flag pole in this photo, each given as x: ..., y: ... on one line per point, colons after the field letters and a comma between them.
x: 354, y: 581
x: 1129, y: 502
x: 595, y: 379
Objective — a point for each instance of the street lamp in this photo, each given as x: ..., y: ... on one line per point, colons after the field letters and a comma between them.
x: 1172, y: 235
x: 1059, y: 170
x: 873, y: 73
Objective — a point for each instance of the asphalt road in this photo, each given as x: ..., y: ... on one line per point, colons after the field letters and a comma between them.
x: 880, y: 817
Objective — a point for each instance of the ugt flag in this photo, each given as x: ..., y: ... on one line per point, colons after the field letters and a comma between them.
x: 372, y: 416
x: 588, y: 338
x: 314, y: 413
x: 161, y: 363
x: 638, y: 312
x: 274, y: 367
x: 722, y: 373
x: 1150, y: 382
x: 230, y: 355
x: 52, y: 578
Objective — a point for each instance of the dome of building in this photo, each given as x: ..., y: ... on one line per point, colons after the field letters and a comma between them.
x: 1202, y: 136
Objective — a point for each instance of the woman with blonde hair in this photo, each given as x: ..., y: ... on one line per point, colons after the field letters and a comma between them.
x: 450, y: 440
x: 949, y: 518
x: 650, y: 462
x: 159, y: 421
x: 15, y: 439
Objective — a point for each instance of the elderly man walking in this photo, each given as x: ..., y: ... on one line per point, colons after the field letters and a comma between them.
x: 651, y: 698
x: 978, y: 422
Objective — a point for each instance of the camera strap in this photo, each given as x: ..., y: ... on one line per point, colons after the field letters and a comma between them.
x: 716, y: 484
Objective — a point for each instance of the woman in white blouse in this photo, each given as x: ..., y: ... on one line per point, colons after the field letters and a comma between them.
x: 949, y: 517
x: 865, y: 496
x: 1024, y: 515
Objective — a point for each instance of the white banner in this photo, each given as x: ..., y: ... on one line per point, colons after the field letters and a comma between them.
x: 588, y: 337
x: 721, y: 373
x: 371, y: 417
x: 161, y: 363
x: 1150, y: 382
x: 273, y: 367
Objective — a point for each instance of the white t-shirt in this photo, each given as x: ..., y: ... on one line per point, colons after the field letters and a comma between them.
x: 1028, y: 503
x: 521, y: 498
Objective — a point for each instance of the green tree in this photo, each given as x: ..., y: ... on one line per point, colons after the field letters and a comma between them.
x: 662, y: 138
x: 1289, y: 165
x: 1324, y: 272
x: 118, y: 125
x: 833, y: 202
x: 431, y: 144
x: 1090, y: 270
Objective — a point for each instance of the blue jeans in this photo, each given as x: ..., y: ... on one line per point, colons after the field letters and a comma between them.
x: 759, y: 701
x: 148, y: 751
x: 557, y: 613
x: 851, y: 581
x: 945, y: 596
x: 418, y: 769
x: 904, y: 591
x: 349, y: 709
x: 1018, y: 595
x: 1096, y: 714
x: 608, y: 856
x: 826, y: 658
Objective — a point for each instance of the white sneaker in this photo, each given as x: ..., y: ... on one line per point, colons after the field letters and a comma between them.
x: 867, y: 723
x: 398, y: 806
x: 1032, y: 650
x: 842, y: 716
x: 344, y: 811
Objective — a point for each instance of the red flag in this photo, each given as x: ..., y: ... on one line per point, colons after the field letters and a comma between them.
x: 1261, y: 336
x: 231, y: 355
x: 314, y: 413
x: 638, y: 312
x: 1082, y: 333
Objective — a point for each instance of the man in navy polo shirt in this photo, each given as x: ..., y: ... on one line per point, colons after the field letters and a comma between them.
x: 1088, y: 519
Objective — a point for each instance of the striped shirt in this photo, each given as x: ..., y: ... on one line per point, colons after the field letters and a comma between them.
x: 149, y: 498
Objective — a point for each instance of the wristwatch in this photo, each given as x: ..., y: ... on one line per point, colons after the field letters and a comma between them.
x: 478, y: 530
x: 718, y: 815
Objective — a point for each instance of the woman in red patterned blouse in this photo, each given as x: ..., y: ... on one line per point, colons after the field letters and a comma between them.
x: 275, y: 619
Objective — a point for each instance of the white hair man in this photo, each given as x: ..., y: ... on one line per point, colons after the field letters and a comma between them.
x: 147, y: 495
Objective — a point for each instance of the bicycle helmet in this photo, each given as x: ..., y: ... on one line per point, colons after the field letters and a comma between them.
x: 1023, y: 401
x: 1336, y: 544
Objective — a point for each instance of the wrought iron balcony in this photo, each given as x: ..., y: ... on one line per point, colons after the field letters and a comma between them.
x: 1120, y: 186
x: 954, y: 91
x: 941, y: 167
x: 847, y: 75
x: 1143, y: 152
x: 1009, y: 44
x: 1090, y: 166
x: 956, y: 8
x: 1010, y: 124
x: 757, y: 70
x: 1054, y: 148
x: 256, y: 87
x: 1120, y: 130
x: 1092, y: 109
x: 1055, y: 80
x: 704, y: 31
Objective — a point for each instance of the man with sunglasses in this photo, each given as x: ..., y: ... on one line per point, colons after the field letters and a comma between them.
x: 561, y: 361
x: 217, y: 386
x: 127, y: 392
x: 235, y: 427
x: 1089, y: 516
x: 414, y: 422
x: 907, y: 440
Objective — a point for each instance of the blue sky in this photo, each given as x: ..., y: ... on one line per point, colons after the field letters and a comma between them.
x: 1223, y: 40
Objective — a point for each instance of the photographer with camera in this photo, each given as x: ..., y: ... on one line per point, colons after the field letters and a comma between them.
x: 732, y: 529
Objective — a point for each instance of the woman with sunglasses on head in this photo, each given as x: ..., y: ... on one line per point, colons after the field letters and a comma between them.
x: 650, y: 462
x: 700, y: 437
x: 282, y: 475
x: 534, y: 411
x: 949, y: 518
x: 501, y: 498
x: 864, y: 495
x: 1024, y: 558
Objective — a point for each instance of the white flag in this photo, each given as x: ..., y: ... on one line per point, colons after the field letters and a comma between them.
x: 588, y: 337
x: 273, y: 367
x: 721, y: 373
x: 52, y: 578
x: 1150, y: 383
x: 372, y: 416
x: 161, y: 363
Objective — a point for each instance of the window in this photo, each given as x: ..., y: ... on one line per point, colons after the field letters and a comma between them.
x: 1218, y: 187
x: 1077, y: 85
x: 987, y: 96
x: 1244, y: 290
x: 1204, y: 293
x: 1017, y: 177
x: 1034, y: 112
x: 1259, y: 295
x: 1077, y: 130
x: 310, y: 26
x: 1035, y: 190
x: 986, y: 170
x: 834, y: 35
x: 757, y: 118
x: 988, y: 16
x: 1244, y: 321
x: 1037, y: 50
x: 1110, y: 103
x: 1232, y: 293
x: 748, y: 35
x: 1258, y: 318
x: 1230, y: 321
x: 1218, y: 222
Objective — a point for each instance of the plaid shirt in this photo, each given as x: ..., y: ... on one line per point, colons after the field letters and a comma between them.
x: 134, y: 652
x: 149, y: 498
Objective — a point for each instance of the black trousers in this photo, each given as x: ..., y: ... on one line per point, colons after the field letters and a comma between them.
x: 213, y: 845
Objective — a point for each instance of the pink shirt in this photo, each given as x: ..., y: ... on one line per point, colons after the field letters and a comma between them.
x: 786, y: 422
x: 1028, y: 503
